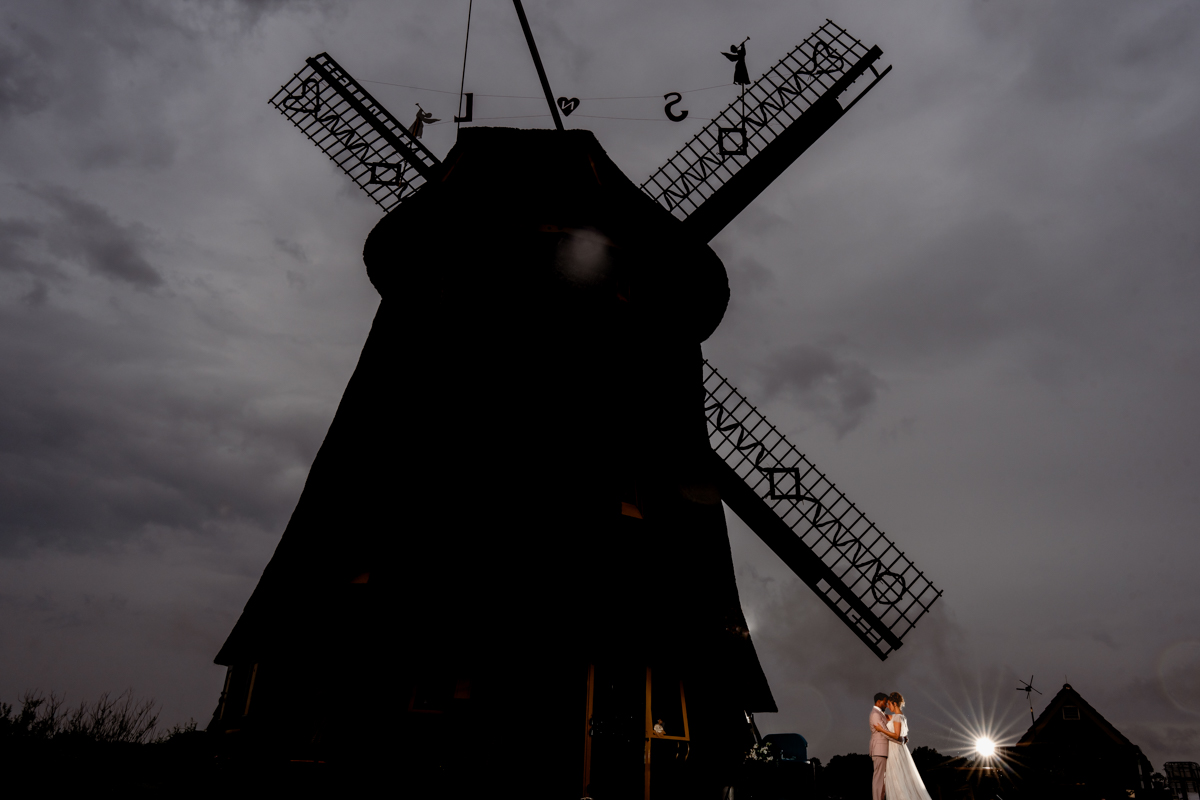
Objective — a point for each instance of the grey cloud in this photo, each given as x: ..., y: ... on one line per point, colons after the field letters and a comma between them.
x: 116, y: 427
x: 17, y: 237
x: 110, y: 76
x: 38, y: 295
x: 251, y: 12
x: 105, y: 445
x: 89, y: 612
x: 838, y: 390
x: 747, y: 276
x: 25, y: 86
x: 1074, y: 49
x: 293, y: 249
x: 756, y: 220
x: 152, y: 148
x: 87, y: 234
x: 958, y: 289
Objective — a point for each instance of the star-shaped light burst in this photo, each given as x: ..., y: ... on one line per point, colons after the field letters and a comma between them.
x: 983, y: 728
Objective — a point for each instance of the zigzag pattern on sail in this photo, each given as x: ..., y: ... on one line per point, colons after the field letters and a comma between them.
x: 750, y: 123
x: 891, y: 593
x: 355, y: 131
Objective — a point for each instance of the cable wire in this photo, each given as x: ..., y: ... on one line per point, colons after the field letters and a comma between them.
x: 534, y: 97
x: 589, y: 116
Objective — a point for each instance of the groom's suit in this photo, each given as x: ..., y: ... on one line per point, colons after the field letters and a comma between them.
x: 879, y: 751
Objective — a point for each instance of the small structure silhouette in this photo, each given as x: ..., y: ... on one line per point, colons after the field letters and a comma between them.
x: 1183, y: 779
x: 1071, y: 752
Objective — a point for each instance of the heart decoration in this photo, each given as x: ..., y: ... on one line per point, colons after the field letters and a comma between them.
x: 307, y: 100
x: 568, y: 104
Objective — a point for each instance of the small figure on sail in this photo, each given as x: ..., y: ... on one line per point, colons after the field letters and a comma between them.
x: 737, y: 54
x: 423, y: 117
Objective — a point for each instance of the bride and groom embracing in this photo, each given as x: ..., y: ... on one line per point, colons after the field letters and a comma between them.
x: 896, y: 776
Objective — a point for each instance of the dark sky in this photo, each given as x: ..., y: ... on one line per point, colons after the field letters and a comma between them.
x: 972, y: 304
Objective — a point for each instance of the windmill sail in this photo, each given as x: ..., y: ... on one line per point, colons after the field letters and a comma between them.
x: 777, y: 492
x: 727, y: 164
x: 353, y: 129
x: 820, y: 534
x: 810, y: 524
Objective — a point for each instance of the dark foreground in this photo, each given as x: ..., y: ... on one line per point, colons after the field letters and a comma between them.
x: 113, y: 745
x: 192, y: 763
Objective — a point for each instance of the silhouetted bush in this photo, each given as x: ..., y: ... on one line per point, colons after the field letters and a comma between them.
x: 115, y: 720
x: 111, y: 742
x: 847, y: 777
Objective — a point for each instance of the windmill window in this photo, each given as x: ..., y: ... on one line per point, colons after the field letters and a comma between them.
x: 239, y: 689
x: 1070, y: 712
x: 666, y: 707
x: 225, y: 693
x: 250, y: 689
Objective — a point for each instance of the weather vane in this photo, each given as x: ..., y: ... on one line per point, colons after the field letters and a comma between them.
x: 423, y: 118
x: 737, y: 54
x: 1027, y: 688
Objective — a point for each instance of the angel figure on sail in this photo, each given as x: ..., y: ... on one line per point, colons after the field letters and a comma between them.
x: 423, y: 117
x: 737, y: 54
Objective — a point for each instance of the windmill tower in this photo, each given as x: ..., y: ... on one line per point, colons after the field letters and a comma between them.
x: 510, y: 562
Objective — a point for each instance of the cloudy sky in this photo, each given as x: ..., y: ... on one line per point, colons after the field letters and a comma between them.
x: 972, y: 303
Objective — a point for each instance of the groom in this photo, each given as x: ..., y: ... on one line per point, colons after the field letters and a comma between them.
x: 879, y: 744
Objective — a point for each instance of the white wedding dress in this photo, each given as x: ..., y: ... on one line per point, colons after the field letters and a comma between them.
x: 902, y: 781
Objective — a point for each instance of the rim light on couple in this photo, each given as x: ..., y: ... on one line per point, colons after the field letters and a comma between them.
x: 896, y: 776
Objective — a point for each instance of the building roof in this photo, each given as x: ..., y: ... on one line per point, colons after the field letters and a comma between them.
x: 1067, y: 696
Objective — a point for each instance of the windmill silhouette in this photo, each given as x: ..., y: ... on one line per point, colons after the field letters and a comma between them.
x: 511, y: 545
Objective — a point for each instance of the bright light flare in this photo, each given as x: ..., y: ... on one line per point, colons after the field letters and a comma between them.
x: 979, y: 726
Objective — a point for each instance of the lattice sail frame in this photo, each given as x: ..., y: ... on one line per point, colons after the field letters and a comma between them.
x: 355, y: 131
x: 390, y: 165
x: 771, y: 103
x: 831, y: 526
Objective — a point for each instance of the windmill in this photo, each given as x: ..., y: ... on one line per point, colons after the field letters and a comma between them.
x: 515, y: 521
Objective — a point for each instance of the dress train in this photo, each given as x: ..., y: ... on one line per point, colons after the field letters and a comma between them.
x: 902, y: 781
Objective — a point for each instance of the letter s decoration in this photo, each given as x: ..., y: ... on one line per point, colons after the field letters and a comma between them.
x: 677, y: 98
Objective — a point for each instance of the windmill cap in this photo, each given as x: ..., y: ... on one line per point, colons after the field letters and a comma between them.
x: 499, y: 186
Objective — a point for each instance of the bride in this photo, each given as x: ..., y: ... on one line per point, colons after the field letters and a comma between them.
x: 901, y: 781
